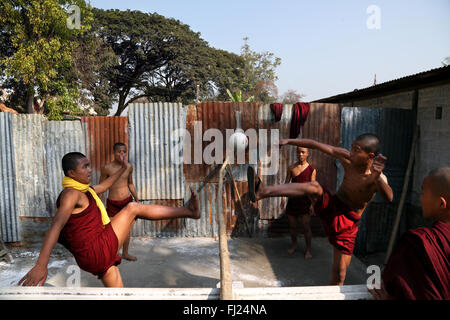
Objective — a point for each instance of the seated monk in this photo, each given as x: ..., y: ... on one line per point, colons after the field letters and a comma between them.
x: 419, y: 267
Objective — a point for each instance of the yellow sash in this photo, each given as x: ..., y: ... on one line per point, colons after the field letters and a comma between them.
x: 71, y: 183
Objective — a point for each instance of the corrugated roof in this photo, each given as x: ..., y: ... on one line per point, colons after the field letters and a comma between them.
x: 411, y: 82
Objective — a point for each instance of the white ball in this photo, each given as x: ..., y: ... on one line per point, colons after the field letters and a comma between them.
x: 239, y: 141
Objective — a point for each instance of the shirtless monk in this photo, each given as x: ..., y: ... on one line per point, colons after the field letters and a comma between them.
x: 119, y: 193
x: 300, y: 172
x: 83, y: 227
x: 419, y: 267
x: 340, y: 213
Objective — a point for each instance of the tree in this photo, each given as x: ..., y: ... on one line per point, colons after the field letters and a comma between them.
x: 40, y: 50
x: 259, y: 74
x: 291, y: 97
x: 160, y: 59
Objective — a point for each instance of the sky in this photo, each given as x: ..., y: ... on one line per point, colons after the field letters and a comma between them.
x: 326, y: 47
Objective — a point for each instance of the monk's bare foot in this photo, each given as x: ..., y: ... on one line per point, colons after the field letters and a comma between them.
x: 308, y: 255
x: 292, y: 248
x: 128, y: 257
x: 193, y: 206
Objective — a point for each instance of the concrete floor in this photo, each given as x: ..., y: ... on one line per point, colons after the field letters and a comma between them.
x: 194, y: 263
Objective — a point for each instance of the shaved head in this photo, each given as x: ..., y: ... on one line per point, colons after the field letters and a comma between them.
x: 369, y: 142
x: 439, y: 182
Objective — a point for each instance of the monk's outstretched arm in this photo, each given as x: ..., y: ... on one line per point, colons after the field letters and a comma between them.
x: 106, y: 183
x: 336, y: 152
x: 38, y: 274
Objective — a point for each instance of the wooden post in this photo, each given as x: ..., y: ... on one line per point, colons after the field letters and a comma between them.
x: 404, y: 192
x: 226, y: 286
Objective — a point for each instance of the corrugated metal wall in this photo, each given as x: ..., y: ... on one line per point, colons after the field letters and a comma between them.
x: 101, y: 133
x: 156, y: 175
x: 9, y: 222
x: 28, y: 133
x: 61, y: 137
x: 152, y: 149
x: 394, y: 129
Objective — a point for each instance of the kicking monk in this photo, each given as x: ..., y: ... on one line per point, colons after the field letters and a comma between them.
x: 119, y: 193
x: 300, y: 172
x: 82, y: 225
x: 340, y: 213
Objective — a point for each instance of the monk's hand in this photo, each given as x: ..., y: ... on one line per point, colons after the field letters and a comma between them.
x: 283, y: 142
x: 124, y: 160
x: 380, y: 294
x: 378, y: 165
x: 35, y: 277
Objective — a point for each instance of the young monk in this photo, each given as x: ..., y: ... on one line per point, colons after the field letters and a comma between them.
x: 340, y: 213
x: 119, y: 193
x: 300, y: 172
x: 419, y: 267
x: 82, y: 225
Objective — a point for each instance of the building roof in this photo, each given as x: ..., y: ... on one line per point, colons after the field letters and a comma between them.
x: 412, y: 82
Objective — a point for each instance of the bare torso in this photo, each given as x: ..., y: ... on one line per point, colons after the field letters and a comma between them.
x: 119, y: 190
x: 357, y: 189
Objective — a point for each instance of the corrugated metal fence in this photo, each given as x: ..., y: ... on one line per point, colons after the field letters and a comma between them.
x: 9, y: 223
x: 37, y: 146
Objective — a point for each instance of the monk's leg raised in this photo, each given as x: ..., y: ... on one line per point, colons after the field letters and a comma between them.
x: 123, y: 221
x: 312, y: 189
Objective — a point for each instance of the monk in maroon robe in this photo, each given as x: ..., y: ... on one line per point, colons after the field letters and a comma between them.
x: 419, y: 267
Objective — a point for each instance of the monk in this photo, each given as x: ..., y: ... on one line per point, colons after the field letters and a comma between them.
x: 300, y: 172
x: 82, y: 225
x: 419, y: 267
x: 340, y: 213
x: 122, y: 192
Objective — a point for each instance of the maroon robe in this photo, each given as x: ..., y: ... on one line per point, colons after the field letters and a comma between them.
x: 419, y: 267
x: 114, y: 206
x: 93, y: 245
x: 300, y: 205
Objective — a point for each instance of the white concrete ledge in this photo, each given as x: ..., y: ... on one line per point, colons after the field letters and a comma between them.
x: 354, y: 292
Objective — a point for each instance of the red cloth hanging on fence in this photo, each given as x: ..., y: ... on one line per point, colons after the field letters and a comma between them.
x: 277, y: 109
x: 299, y: 116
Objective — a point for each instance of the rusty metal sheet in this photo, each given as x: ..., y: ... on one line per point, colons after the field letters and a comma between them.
x: 270, y: 208
x: 324, y: 125
x: 9, y: 221
x: 101, y: 133
x: 215, y: 115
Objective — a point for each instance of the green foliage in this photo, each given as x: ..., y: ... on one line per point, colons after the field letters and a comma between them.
x: 236, y: 96
x: 259, y: 74
x: 40, y: 47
